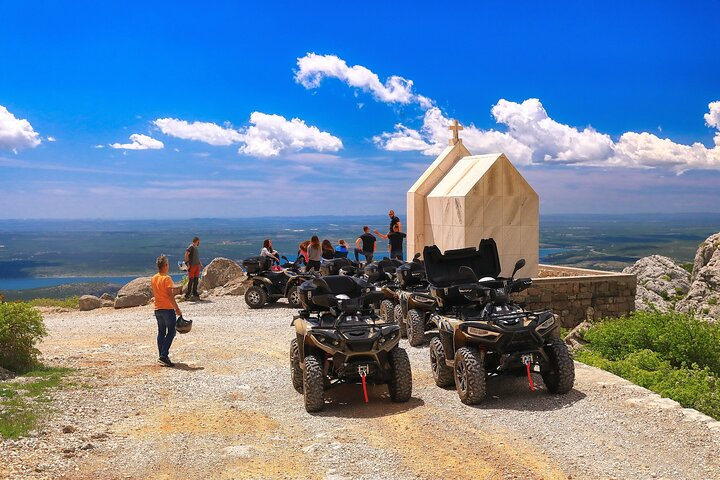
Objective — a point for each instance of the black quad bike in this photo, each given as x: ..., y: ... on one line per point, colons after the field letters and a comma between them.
x: 269, y: 286
x: 415, y: 303
x: 381, y: 273
x: 339, y: 339
x: 483, y: 332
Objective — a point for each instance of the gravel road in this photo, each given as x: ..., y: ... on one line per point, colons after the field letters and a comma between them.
x: 229, y: 411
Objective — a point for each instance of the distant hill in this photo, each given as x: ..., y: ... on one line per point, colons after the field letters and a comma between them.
x: 63, y: 291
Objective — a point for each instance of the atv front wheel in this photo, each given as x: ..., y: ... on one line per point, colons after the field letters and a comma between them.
x: 398, y: 316
x: 400, y: 386
x: 313, y: 384
x: 293, y: 297
x: 255, y: 297
x: 470, y: 375
x: 387, y: 310
x: 560, y: 377
x: 295, y: 370
x: 415, y: 328
x: 442, y: 374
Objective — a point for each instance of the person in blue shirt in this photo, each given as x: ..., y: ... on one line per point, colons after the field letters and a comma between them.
x: 341, y: 250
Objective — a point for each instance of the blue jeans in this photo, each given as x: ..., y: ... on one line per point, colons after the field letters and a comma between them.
x: 166, y: 330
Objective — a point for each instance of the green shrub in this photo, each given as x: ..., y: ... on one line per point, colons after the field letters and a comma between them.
x: 70, y: 302
x: 21, y: 326
x: 673, y: 354
x: 712, y: 301
x: 688, y: 267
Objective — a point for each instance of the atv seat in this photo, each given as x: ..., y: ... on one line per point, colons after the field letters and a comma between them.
x: 320, y: 294
x: 444, y: 269
x: 411, y: 274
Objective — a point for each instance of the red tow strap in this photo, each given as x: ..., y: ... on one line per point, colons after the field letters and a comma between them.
x: 362, y: 379
x: 532, y: 386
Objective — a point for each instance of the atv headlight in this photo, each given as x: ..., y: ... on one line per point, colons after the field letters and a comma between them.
x: 549, y: 322
x: 479, y: 332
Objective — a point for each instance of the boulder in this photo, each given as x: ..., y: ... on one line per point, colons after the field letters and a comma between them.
x: 108, y: 303
x: 219, y: 273
x: 137, y: 292
x: 6, y: 374
x: 660, y: 282
x: 107, y: 296
x: 704, y: 296
x: 89, y: 302
x: 236, y: 286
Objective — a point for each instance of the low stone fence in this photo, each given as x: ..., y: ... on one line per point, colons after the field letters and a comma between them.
x: 576, y: 294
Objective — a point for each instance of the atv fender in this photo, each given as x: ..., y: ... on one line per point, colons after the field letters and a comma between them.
x: 261, y: 281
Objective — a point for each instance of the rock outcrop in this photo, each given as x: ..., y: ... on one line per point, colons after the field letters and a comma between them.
x: 660, y: 282
x: 6, y: 374
x: 220, y: 273
x: 137, y: 292
x: 89, y: 302
x: 704, y: 295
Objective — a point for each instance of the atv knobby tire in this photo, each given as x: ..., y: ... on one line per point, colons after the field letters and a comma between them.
x: 255, y: 297
x: 313, y: 384
x: 415, y: 327
x: 398, y: 315
x: 400, y: 385
x: 443, y: 375
x: 560, y: 377
x: 387, y: 310
x: 295, y: 370
x: 470, y: 375
x: 293, y: 297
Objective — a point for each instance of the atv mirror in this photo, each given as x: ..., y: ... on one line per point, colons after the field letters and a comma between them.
x: 416, y: 256
x: 467, y: 273
x: 518, y: 265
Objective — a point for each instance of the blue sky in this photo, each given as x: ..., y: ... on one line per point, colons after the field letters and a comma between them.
x: 609, y: 108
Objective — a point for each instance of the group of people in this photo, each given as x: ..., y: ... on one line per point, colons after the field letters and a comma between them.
x: 312, y: 252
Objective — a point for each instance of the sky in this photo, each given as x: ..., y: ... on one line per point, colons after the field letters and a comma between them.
x: 234, y: 109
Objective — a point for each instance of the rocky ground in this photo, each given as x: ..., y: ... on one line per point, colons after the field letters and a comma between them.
x: 229, y: 411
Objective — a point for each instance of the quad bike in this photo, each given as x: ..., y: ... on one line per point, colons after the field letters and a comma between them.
x: 482, y: 332
x: 269, y: 286
x: 382, y: 274
x: 415, y: 304
x: 339, y: 339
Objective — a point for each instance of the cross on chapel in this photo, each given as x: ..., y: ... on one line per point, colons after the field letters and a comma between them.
x: 455, y: 127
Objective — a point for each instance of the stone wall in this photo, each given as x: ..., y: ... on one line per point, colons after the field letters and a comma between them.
x: 576, y: 294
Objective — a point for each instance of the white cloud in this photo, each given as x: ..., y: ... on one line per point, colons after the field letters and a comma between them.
x: 139, y: 142
x: 16, y: 133
x: 51, y: 139
x: 206, y: 132
x: 530, y: 136
x: 713, y: 118
x: 312, y: 68
x: 271, y: 135
x: 267, y: 136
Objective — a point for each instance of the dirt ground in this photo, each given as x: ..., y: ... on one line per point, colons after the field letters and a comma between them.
x: 229, y: 411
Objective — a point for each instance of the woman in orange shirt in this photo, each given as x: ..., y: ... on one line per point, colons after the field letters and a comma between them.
x: 166, y: 309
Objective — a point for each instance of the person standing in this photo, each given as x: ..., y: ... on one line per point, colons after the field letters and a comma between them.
x: 314, y: 254
x: 166, y: 309
x: 365, y: 244
x: 395, y: 239
x: 394, y: 220
x: 192, y: 259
